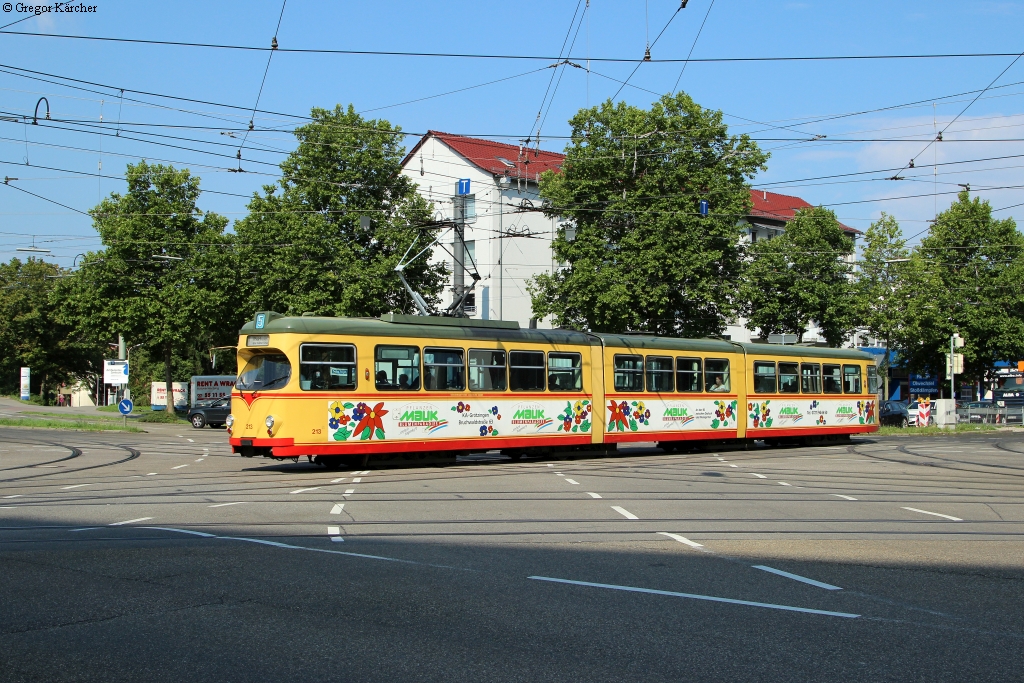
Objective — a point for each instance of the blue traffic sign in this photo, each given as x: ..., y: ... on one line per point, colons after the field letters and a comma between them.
x: 703, y: 207
x: 463, y: 186
x: 261, y: 320
x: 125, y: 406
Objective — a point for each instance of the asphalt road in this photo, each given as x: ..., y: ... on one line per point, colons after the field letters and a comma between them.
x: 160, y: 556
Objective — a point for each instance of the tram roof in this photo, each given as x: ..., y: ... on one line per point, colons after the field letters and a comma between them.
x: 395, y: 325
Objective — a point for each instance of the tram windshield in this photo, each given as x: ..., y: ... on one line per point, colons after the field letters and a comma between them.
x: 265, y: 371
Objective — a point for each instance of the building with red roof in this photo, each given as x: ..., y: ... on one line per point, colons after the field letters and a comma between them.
x: 507, y: 245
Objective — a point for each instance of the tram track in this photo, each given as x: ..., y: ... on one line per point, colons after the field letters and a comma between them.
x: 930, y: 462
x: 75, y: 452
x: 132, y: 455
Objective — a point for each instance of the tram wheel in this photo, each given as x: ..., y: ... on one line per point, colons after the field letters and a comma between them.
x: 331, y: 462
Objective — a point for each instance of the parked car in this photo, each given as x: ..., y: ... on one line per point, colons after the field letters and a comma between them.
x: 912, y: 415
x: 212, y: 413
x: 894, y: 413
x: 977, y: 412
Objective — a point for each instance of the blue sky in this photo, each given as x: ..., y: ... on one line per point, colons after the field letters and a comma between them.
x: 776, y: 93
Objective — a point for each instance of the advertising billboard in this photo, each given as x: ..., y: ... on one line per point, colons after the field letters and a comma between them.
x: 211, y: 387
x: 158, y: 395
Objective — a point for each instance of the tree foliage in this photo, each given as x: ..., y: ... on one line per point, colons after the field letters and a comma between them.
x: 637, y: 254
x: 966, y: 276
x: 29, y: 333
x: 801, y: 276
x: 164, y: 277
x: 301, y: 248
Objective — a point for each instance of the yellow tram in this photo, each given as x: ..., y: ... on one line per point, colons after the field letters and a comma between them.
x: 337, y: 389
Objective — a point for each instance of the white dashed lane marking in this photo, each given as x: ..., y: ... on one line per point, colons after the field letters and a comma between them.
x: 572, y: 481
x: 335, y: 533
x: 797, y: 577
x: 357, y: 480
x: 937, y: 514
x: 681, y: 539
x: 592, y: 494
x: 179, y: 467
x: 130, y: 521
x: 75, y: 486
x: 624, y: 512
x: 336, y: 510
x: 759, y: 476
x: 839, y: 495
x: 335, y: 481
x: 784, y: 483
x: 311, y: 488
x: 224, y: 505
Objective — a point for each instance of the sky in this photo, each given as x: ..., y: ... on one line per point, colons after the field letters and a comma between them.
x: 817, y: 118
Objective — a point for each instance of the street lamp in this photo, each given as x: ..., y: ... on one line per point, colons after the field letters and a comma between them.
x: 163, y: 257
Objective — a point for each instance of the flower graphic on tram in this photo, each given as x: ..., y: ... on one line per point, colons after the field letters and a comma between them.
x: 487, y: 430
x: 628, y: 416
x: 368, y: 422
x: 723, y: 413
x: 866, y: 412
x: 576, y: 417
x: 760, y: 414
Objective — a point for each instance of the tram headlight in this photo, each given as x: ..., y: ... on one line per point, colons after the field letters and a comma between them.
x: 230, y: 421
x: 270, y: 422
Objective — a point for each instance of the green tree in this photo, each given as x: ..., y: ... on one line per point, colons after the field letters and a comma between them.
x: 637, y: 254
x: 163, y: 278
x: 30, y: 335
x: 881, y: 288
x: 302, y: 248
x: 800, y: 277
x: 968, y: 280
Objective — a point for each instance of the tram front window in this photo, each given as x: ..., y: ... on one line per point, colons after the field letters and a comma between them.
x: 265, y: 371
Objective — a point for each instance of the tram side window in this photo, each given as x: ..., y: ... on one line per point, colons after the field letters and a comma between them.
x: 629, y: 373
x: 811, y: 373
x: 327, y: 367
x: 443, y: 370
x: 764, y: 377
x: 526, y: 370
x: 265, y: 371
x: 832, y: 379
x: 716, y: 374
x: 487, y: 370
x: 565, y: 372
x: 659, y: 373
x: 851, y: 379
x: 688, y: 374
x: 397, y: 368
x: 789, y: 379
x: 872, y: 379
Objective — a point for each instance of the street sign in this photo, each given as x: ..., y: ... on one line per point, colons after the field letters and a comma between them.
x: 703, y: 207
x: 125, y: 406
x: 26, y: 383
x: 115, y: 372
x: 921, y: 384
x: 958, y: 364
x: 463, y: 187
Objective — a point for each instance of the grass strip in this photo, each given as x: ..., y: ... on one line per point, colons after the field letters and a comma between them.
x: 161, y: 416
x: 71, y: 416
x: 79, y: 425
x: 938, y: 431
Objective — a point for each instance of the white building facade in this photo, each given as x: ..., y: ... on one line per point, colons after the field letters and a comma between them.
x: 509, y: 239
